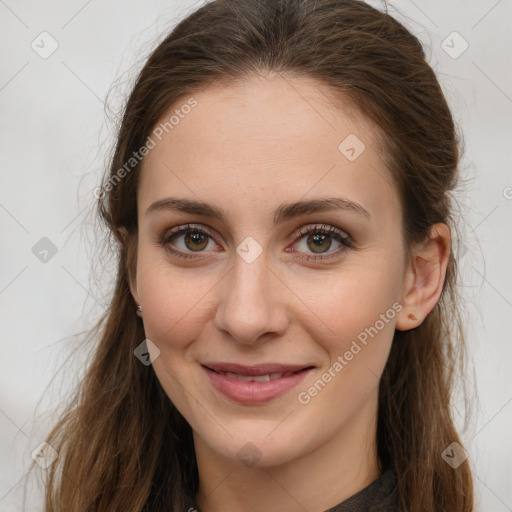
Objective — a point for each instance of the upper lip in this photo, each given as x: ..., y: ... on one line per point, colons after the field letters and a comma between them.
x: 257, y: 369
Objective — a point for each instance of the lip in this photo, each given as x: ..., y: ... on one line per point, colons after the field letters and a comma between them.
x: 255, y: 392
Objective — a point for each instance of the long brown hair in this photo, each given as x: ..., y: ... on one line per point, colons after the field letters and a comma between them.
x: 122, y: 444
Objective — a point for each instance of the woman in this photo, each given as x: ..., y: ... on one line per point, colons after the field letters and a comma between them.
x: 283, y: 332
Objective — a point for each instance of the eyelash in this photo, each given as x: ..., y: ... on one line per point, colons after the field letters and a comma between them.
x: 336, y: 233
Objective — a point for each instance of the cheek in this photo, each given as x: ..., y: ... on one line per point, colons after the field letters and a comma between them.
x: 356, y: 311
x: 174, y: 300
x: 348, y: 301
x: 354, y: 326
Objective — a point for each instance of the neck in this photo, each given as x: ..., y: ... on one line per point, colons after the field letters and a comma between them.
x: 318, y: 479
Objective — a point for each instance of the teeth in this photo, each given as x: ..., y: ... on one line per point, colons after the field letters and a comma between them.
x: 261, y: 378
x: 242, y: 378
x: 256, y: 378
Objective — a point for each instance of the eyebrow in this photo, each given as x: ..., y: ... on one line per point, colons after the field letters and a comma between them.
x: 283, y: 212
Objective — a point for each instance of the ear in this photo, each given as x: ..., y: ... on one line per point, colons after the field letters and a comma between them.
x: 132, y: 281
x: 424, y: 277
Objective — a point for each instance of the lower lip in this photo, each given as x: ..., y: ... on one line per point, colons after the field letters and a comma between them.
x: 254, y: 392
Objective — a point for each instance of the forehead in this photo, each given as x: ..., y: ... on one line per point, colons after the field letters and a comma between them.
x: 269, y: 139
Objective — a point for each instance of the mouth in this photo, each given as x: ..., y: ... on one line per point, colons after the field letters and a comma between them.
x: 255, y: 384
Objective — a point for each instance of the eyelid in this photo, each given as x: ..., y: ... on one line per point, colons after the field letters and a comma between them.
x: 318, y: 226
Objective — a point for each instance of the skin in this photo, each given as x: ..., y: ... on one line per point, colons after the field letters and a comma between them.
x: 247, y: 148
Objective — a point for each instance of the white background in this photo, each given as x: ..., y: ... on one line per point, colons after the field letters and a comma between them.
x: 55, y: 139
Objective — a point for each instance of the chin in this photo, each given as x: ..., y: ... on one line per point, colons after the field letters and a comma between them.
x: 254, y: 451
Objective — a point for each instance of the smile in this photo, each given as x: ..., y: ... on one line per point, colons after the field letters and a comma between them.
x: 254, y: 389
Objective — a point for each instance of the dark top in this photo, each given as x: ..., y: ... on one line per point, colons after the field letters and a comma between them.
x: 380, y: 496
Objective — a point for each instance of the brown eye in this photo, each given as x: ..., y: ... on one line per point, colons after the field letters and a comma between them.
x: 183, y: 241
x: 319, y: 242
x: 195, y: 241
x: 315, y: 242
x: 318, y: 239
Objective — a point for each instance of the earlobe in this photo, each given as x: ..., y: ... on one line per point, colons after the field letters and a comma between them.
x: 425, y: 277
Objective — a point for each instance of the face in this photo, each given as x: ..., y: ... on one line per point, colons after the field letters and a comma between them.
x: 254, y: 280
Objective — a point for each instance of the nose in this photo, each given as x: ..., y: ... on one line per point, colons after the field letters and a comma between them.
x: 252, y: 302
